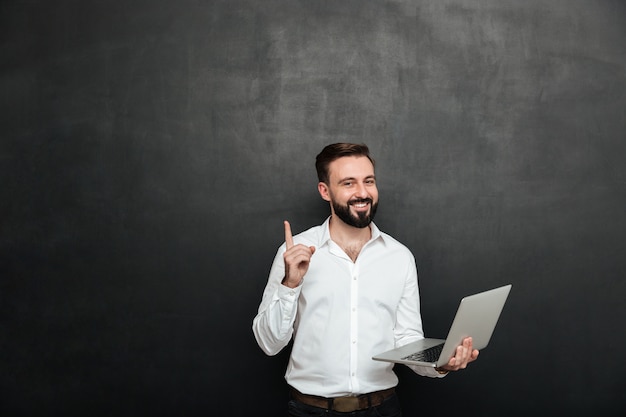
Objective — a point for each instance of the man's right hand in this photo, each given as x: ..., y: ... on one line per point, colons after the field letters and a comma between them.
x: 297, y: 259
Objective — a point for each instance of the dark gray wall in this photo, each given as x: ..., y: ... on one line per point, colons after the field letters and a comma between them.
x: 151, y: 149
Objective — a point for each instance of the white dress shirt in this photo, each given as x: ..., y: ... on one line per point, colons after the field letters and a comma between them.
x: 342, y: 314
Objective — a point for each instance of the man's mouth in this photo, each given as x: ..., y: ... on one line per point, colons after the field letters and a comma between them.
x: 361, y: 203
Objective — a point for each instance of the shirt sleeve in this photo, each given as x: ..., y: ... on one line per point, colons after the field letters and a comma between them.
x: 426, y: 371
x: 273, y: 324
x: 408, y: 326
x: 409, y: 319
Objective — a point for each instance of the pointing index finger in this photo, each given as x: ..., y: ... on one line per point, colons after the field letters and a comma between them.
x: 288, y: 236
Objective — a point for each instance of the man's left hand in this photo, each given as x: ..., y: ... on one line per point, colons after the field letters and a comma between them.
x: 464, y: 354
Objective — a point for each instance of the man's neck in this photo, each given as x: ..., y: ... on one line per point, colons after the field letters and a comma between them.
x: 344, y: 234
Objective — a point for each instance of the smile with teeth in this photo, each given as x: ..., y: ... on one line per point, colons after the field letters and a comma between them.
x: 359, y: 204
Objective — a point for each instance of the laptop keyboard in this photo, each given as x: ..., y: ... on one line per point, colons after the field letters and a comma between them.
x: 429, y: 355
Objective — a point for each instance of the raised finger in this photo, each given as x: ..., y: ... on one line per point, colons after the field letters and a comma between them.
x: 288, y: 236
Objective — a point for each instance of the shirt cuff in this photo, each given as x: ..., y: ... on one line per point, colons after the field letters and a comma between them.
x: 287, y: 293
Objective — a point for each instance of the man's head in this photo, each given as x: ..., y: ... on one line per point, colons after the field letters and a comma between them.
x: 335, y: 151
x: 347, y: 181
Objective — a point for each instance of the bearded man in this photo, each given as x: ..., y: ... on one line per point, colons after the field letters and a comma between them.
x: 344, y: 291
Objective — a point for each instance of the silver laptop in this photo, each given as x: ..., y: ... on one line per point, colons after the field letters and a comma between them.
x: 476, y: 316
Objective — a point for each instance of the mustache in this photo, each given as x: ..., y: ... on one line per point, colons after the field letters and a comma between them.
x: 361, y: 200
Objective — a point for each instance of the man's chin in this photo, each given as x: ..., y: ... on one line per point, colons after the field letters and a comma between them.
x: 361, y: 221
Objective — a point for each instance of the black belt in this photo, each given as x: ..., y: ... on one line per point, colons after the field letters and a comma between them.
x: 344, y: 404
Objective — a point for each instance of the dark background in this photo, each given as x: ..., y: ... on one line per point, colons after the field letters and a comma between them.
x: 151, y: 149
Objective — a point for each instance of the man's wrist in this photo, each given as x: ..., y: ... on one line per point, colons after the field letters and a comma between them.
x: 286, y: 283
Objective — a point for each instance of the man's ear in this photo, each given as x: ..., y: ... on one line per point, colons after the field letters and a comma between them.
x: 323, y: 190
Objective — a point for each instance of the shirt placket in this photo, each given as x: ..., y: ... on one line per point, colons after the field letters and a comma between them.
x: 354, y: 322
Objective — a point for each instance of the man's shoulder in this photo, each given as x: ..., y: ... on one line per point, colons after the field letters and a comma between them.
x: 393, y: 243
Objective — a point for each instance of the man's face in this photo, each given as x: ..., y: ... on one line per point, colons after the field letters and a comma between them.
x: 351, y: 190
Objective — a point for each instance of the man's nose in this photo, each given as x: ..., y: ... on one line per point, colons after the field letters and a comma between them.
x: 361, y: 190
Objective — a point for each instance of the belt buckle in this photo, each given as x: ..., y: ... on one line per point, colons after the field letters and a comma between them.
x: 346, y: 404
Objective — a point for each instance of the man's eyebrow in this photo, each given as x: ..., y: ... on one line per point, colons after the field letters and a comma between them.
x: 369, y: 177
x: 345, y: 179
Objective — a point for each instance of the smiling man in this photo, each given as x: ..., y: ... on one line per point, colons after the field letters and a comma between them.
x: 344, y: 291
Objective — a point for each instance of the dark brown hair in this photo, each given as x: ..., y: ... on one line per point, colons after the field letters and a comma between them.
x: 336, y: 151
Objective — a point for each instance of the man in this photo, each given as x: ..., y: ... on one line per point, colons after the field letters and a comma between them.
x: 344, y: 291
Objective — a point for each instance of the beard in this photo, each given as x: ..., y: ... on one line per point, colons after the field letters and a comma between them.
x: 362, y: 219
